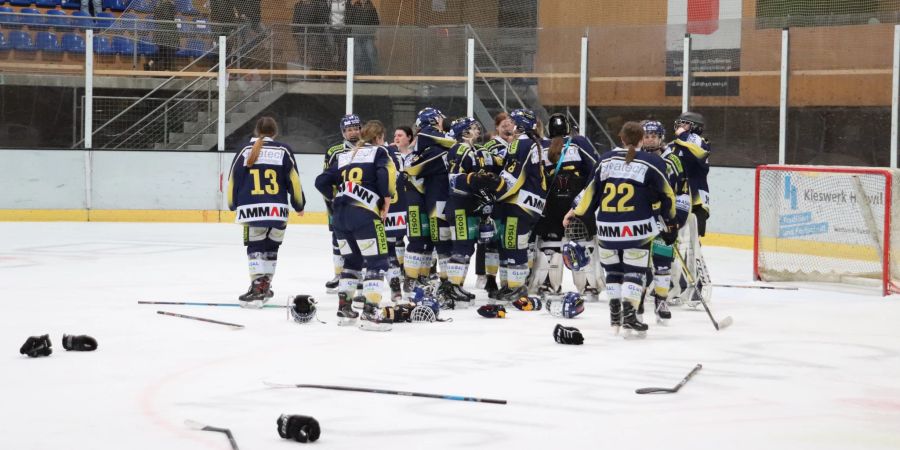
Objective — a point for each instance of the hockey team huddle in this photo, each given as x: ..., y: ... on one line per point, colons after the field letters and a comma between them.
x: 408, y: 217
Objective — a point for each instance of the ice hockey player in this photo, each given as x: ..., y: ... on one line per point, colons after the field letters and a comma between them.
x: 663, y: 245
x: 396, y: 220
x: 693, y: 149
x: 367, y: 178
x: 463, y: 204
x: 624, y: 189
x: 493, y: 155
x: 427, y: 172
x: 569, y: 161
x: 520, y: 189
x: 263, y: 183
x: 350, y: 127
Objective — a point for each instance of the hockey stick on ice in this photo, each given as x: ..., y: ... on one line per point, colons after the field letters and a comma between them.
x: 657, y: 390
x: 726, y: 322
x: 194, y: 425
x: 185, y: 316
x: 386, y: 391
x: 147, y: 302
x: 750, y: 286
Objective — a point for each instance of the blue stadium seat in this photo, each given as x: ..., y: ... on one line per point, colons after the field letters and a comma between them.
x: 123, y: 45
x: 73, y: 43
x: 6, y: 20
x: 103, y: 46
x: 194, y: 48
x: 47, y: 42
x: 20, y: 40
x: 57, y: 19
x: 115, y: 5
x: 106, y: 20
x: 20, y: 2
x: 4, y: 44
x: 147, y: 48
x: 47, y: 3
x: 143, y: 6
x: 186, y: 7
x: 71, y: 4
x: 81, y: 19
x: 33, y: 19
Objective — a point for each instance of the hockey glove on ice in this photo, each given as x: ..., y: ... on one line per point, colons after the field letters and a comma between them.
x: 82, y: 343
x: 492, y: 311
x: 298, y: 428
x: 530, y: 303
x: 36, y: 346
x: 567, y: 335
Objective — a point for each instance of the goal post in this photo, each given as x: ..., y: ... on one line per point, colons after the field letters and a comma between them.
x: 827, y: 224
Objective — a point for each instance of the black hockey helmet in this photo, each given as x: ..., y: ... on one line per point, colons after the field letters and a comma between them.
x: 558, y: 126
x: 695, y: 120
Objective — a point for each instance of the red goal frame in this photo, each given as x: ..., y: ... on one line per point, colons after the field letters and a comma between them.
x: 887, y: 286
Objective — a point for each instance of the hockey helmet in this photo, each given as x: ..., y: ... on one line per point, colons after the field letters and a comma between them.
x: 559, y: 126
x: 303, y: 308
x: 575, y: 256
x: 524, y: 119
x: 460, y: 127
x: 428, y: 116
x: 349, y: 121
x: 654, y: 128
x: 694, y: 120
x: 569, y: 306
x: 426, y: 309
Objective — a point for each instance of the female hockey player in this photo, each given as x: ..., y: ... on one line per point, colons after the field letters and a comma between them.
x: 662, y: 248
x: 569, y: 161
x: 396, y: 221
x: 624, y: 189
x: 493, y: 154
x: 367, y: 178
x: 350, y: 127
x: 520, y: 190
x: 427, y: 172
x: 693, y: 149
x: 263, y: 181
x: 463, y: 204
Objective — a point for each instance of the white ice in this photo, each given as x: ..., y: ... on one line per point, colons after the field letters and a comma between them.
x: 813, y: 368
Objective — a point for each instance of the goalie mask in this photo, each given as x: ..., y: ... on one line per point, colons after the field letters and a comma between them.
x: 694, y: 121
x: 575, y: 256
x: 303, y: 308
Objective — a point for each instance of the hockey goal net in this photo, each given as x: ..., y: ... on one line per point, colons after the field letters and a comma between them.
x: 827, y: 224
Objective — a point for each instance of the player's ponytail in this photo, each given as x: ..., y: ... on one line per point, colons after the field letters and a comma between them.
x: 265, y: 127
x: 631, y: 135
x: 372, y: 130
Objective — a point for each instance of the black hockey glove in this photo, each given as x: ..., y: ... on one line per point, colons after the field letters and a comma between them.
x: 492, y: 311
x: 567, y: 335
x: 669, y: 232
x: 298, y: 428
x: 36, y: 346
x: 487, y: 181
x: 702, y: 214
x: 82, y: 343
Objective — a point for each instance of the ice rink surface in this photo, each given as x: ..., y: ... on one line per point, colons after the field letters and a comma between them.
x: 814, y: 368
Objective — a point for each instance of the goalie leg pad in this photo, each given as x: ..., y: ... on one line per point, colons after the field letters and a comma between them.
x: 540, y: 271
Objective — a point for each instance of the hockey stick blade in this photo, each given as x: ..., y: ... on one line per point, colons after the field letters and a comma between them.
x: 194, y: 425
x: 387, y: 391
x: 750, y: 286
x: 236, y: 305
x: 657, y: 390
x: 693, y: 288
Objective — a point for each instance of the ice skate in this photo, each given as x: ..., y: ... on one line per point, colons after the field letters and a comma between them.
x: 455, y: 296
x: 332, y: 285
x: 615, y: 314
x: 396, y: 292
x: 490, y: 285
x: 258, y: 294
x: 634, y: 328
x: 346, y: 315
x: 376, y: 319
x: 662, y: 310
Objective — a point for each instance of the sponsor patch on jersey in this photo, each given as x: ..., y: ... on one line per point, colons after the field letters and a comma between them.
x: 395, y: 221
x: 530, y: 201
x: 627, y: 231
x: 272, y: 156
x: 359, y: 193
x: 570, y: 154
x: 616, y: 168
x: 262, y: 211
x: 361, y: 155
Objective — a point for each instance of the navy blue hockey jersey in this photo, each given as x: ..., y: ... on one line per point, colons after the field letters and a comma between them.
x: 523, y: 182
x: 262, y: 194
x: 624, y: 195
x: 366, y: 177
x: 694, y: 150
